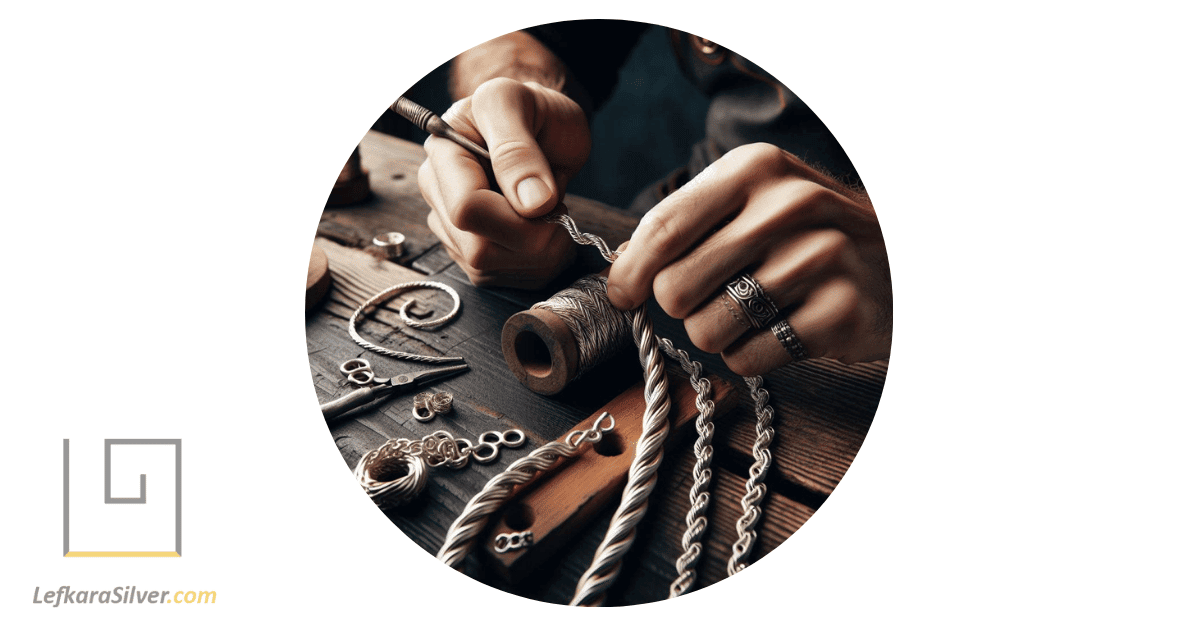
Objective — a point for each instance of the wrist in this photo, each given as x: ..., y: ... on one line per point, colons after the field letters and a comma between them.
x: 518, y: 56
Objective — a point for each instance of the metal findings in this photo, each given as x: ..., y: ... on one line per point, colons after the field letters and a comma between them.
x: 391, y: 242
x: 513, y: 541
x: 428, y: 405
x: 753, y: 300
x: 396, y: 472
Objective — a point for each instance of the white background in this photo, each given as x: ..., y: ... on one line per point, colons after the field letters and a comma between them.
x: 100, y: 527
x: 1033, y: 165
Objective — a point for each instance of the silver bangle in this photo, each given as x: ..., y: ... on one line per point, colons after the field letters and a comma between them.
x: 752, y: 300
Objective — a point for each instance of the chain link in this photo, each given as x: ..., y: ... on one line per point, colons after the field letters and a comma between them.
x: 396, y: 472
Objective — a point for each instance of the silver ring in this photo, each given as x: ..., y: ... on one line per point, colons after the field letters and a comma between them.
x: 391, y: 242
x: 752, y: 300
x: 787, y: 337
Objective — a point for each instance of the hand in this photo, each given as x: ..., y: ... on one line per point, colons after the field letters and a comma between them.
x: 814, y: 246
x: 538, y: 139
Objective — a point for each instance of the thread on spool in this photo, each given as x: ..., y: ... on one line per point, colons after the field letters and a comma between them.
x: 599, y: 329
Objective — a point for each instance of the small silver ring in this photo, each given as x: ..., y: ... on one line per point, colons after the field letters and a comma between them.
x: 787, y: 337
x: 391, y: 242
x: 424, y: 418
x: 753, y: 300
x: 518, y: 438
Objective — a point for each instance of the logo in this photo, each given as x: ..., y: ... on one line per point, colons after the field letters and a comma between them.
x: 124, y: 517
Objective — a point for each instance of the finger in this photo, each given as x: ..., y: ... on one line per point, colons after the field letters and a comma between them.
x: 504, y: 112
x: 670, y: 229
x: 468, y: 204
x: 829, y: 324
x: 787, y: 270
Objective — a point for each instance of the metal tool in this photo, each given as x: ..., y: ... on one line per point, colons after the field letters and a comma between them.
x: 429, y: 122
x: 359, y: 371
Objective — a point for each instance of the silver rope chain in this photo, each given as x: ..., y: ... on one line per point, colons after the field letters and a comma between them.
x: 606, y: 562
x: 643, y: 472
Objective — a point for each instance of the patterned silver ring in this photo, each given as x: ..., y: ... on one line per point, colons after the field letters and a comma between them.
x: 753, y: 300
x: 787, y: 337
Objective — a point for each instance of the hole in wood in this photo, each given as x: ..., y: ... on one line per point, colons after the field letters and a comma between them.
x: 610, y: 445
x: 532, y: 353
x: 519, y: 517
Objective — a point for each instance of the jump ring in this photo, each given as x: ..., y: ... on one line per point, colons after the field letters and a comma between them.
x: 753, y: 300
x: 491, y: 448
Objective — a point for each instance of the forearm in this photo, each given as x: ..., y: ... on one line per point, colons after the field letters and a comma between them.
x: 518, y: 56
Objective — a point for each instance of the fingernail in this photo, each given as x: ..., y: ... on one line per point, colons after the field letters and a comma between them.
x: 532, y: 193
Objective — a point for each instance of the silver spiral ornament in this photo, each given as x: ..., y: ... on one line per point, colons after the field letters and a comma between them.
x: 408, y: 320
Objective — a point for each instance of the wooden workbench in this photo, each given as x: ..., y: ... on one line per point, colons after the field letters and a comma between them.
x: 822, y: 408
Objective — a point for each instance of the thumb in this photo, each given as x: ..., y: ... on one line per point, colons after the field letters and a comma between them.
x: 505, y: 112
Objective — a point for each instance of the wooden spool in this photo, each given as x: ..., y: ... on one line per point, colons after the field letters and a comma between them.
x: 555, y: 507
x: 540, y: 351
x: 319, y: 278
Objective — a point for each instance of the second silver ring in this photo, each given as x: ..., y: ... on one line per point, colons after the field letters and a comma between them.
x: 753, y: 300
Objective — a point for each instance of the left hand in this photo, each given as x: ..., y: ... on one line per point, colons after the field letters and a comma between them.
x: 813, y: 244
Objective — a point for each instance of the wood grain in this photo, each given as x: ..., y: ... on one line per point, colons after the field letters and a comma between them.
x: 561, y: 503
x: 823, y: 408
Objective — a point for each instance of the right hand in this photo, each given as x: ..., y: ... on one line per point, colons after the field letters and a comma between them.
x: 538, y: 139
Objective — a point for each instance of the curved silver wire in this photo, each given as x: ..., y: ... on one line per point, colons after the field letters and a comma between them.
x: 408, y: 320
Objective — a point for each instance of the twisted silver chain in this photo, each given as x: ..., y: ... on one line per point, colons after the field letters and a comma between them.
x: 756, y: 487
x: 633, y: 501
x: 643, y: 472
x: 461, y: 535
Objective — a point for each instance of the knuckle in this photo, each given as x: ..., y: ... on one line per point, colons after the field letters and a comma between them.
x: 461, y: 215
x: 495, y: 90
x: 513, y: 153
x: 477, y: 253
x: 742, y: 364
x: 703, y: 336
x: 426, y: 181
x: 662, y: 230
x: 759, y: 156
x: 669, y: 299
x: 833, y: 247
